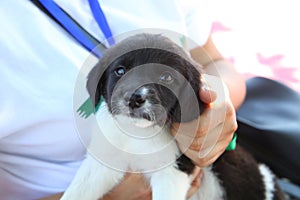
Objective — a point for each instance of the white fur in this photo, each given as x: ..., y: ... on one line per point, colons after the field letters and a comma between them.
x: 143, y: 123
x: 144, y: 91
x: 268, y: 179
x: 169, y: 183
x: 94, y: 179
x: 123, y: 132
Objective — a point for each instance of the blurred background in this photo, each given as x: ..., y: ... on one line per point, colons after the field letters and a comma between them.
x: 261, y: 38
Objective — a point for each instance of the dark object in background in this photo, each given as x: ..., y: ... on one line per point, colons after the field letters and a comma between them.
x: 269, y: 127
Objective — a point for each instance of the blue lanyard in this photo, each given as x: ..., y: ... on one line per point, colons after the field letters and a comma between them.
x: 75, y: 29
x: 82, y: 36
x: 101, y: 20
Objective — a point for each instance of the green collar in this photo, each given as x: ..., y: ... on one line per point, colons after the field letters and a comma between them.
x: 232, y: 144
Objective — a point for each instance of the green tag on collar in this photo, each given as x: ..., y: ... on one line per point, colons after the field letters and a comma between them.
x: 87, y: 108
x: 232, y: 144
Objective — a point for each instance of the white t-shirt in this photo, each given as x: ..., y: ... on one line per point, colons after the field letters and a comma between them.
x: 40, y: 150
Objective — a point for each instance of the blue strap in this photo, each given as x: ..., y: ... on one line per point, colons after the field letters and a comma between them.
x: 68, y: 24
x: 101, y: 20
x: 82, y: 36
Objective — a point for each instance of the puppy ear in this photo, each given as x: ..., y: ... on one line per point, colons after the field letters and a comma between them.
x: 94, y: 84
x: 189, y: 105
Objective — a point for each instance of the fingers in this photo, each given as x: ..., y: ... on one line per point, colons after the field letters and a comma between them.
x: 205, y: 150
x: 207, y: 95
x: 213, y: 89
x: 204, y: 139
x: 195, y: 185
x: 133, y: 187
x: 208, y: 151
x: 211, y: 155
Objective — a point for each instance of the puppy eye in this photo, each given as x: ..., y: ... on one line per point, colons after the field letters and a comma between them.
x: 120, y: 71
x: 166, y: 77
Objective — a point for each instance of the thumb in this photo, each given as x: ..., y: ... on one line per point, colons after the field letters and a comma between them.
x: 207, y: 95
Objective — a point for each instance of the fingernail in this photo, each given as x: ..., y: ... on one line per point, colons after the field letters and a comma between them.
x: 206, y: 87
x: 200, y: 175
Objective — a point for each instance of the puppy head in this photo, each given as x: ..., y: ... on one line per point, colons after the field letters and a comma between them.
x: 149, y: 79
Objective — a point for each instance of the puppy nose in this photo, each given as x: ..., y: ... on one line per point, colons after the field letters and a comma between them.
x: 136, y: 100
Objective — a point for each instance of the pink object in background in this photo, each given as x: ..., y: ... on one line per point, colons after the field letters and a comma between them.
x: 256, y: 60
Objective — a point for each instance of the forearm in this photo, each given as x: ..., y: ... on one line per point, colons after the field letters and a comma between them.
x: 215, y: 64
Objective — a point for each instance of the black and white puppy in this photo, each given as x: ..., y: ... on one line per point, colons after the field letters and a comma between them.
x: 147, y: 83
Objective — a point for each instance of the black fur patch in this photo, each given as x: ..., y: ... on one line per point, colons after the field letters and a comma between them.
x: 240, y: 175
x: 185, y: 164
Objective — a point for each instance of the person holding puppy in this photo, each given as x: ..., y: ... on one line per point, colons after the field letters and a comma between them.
x: 39, y: 147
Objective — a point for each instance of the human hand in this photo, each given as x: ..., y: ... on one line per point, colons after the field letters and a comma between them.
x: 216, y: 124
x: 196, y: 183
x: 135, y: 187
